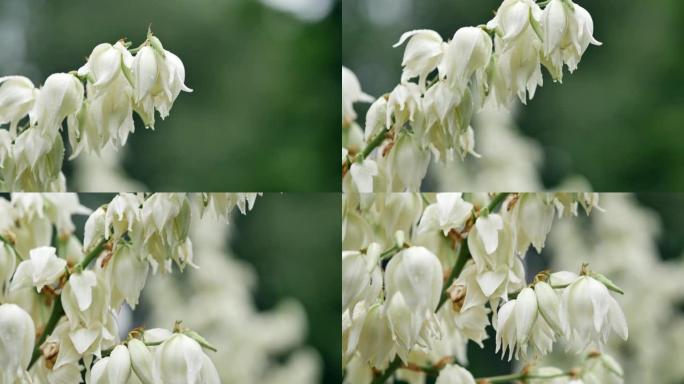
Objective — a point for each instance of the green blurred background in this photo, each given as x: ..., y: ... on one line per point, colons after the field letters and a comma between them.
x: 617, y: 120
x: 292, y: 242
x: 261, y: 116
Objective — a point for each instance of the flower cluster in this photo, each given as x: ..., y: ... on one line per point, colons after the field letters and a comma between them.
x: 424, y: 274
x: 489, y: 64
x: 46, y: 269
x: 97, y: 102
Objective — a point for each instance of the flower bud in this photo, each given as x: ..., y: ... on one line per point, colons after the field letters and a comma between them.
x: 525, y: 314
x: 43, y: 268
x: 17, y: 335
x: 416, y: 273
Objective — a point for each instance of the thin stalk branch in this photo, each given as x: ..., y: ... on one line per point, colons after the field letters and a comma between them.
x: 11, y: 245
x: 57, y: 309
x: 372, y: 144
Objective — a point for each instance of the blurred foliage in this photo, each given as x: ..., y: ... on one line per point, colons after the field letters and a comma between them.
x: 260, y: 116
x: 617, y: 120
x: 292, y: 240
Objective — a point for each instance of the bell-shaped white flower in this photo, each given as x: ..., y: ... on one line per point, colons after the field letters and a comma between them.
x: 568, y: 31
x: 588, y: 313
x: 453, y: 373
x: 43, y: 268
x: 519, y: 327
x: 17, y: 335
x: 375, y: 343
x: 403, y: 104
x: 180, y: 360
x: 82, y: 284
x: 351, y: 93
x: 59, y: 97
x: 467, y: 54
x: 361, y: 276
x: 423, y: 53
x: 17, y: 96
x: 86, y: 303
x: 158, y: 76
x: 142, y: 361
x: 410, y: 161
x: 449, y: 212
x: 376, y: 118
x: 94, y: 229
x: 105, y: 63
x: 123, y: 212
x: 533, y: 217
x: 493, y: 268
x: 413, y: 287
x: 362, y: 174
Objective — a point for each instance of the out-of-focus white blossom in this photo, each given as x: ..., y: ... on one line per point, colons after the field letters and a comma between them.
x: 351, y: 93
x: 17, y: 332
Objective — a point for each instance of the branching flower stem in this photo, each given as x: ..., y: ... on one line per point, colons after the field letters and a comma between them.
x: 57, y: 309
x: 372, y: 144
x: 521, y: 376
x: 463, y: 257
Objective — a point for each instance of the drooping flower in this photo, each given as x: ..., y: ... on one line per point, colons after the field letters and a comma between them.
x: 465, y: 56
x: 351, y: 93
x: 423, y: 53
x: 449, y: 212
x: 588, y: 313
x: 180, y: 360
x: 17, y: 97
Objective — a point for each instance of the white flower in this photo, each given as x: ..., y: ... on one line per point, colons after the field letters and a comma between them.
x: 423, y: 53
x: 105, y: 63
x: 180, y: 360
x: 410, y: 161
x: 351, y: 93
x: 123, y: 212
x: 361, y: 277
x: 60, y: 207
x: 488, y: 228
x: 588, y: 313
x: 403, y: 103
x: 43, y: 268
x: 94, y: 229
x: 568, y: 30
x: 518, y: 327
x: 502, y: 258
x: 362, y: 174
x: 59, y: 97
x: 454, y: 374
x: 467, y: 54
x: 449, y: 212
x: 376, y: 118
x: 158, y: 76
x: 17, y: 96
x: 17, y: 335
x: 413, y: 287
x: 533, y: 216
x: 375, y: 343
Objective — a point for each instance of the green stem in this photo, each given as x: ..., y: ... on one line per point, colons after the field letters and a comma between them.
x: 57, y: 309
x: 464, y: 253
x: 372, y: 144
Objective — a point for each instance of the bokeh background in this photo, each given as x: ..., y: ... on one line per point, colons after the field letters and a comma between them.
x: 617, y: 120
x: 291, y: 242
x: 264, y: 75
